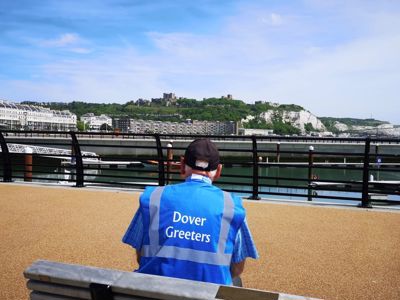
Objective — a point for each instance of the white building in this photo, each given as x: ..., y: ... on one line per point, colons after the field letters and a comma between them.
x: 251, y: 131
x: 93, y: 123
x: 31, y: 117
x: 188, y: 127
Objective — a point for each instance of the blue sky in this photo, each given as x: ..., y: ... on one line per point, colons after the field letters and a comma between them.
x: 335, y: 58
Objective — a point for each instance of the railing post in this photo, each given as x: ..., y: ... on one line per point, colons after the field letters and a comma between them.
x: 278, y: 152
x: 160, y: 158
x: 254, y: 195
x: 170, y: 157
x: 378, y: 160
x: 28, y: 164
x: 7, y: 170
x: 365, y: 201
x: 77, y: 155
x: 310, y: 168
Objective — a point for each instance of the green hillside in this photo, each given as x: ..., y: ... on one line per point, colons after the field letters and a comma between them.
x: 211, y: 109
x: 329, y: 122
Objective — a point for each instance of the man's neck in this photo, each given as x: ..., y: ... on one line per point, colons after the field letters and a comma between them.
x: 199, y: 177
x: 201, y: 173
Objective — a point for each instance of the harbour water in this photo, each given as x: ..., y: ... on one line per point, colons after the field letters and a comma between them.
x: 272, y: 180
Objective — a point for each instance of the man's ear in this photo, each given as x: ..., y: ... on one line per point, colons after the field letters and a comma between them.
x: 182, y: 166
x: 218, y: 172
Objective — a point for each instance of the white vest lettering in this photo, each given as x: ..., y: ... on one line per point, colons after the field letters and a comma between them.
x: 178, y: 217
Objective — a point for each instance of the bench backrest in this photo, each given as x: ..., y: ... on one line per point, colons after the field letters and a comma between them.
x: 58, y: 281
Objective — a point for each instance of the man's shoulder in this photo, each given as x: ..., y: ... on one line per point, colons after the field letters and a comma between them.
x: 234, y: 196
x: 147, y: 192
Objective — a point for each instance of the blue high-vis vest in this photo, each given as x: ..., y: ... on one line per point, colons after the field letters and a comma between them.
x: 189, y: 231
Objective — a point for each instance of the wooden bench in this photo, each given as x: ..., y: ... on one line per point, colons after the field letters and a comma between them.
x: 58, y: 281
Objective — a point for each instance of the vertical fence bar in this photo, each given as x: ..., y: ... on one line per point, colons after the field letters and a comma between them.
x: 254, y: 195
x: 7, y: 170
x: 310, y: 169
x: 378, y: 160
x: 278, y: 152
x: 28, y: 164
x: 170, y: 157
x: 77, y: 155
x: 365, y: 201
x: 160, y: 158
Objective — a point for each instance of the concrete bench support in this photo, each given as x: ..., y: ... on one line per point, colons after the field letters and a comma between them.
x: 58, y: 281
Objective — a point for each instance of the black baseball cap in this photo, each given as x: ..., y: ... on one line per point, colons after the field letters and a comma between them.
x: 202, y: 154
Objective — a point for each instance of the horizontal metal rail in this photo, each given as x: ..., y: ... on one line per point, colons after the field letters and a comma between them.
x: 62, y: 156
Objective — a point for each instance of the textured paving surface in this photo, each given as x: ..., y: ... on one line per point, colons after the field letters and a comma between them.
x: 314, y: 251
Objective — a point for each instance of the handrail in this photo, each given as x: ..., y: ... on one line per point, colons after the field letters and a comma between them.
x: 311, y: 160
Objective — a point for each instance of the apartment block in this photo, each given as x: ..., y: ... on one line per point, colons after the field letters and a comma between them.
x: 188, y: 127
x: 16, y: 116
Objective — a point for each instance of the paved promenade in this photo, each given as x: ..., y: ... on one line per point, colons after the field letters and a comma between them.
x: 330, y: 253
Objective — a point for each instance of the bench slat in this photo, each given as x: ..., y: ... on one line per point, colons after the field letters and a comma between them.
x: 45, y: 296
x: 59, y: 289
x: 59, y: 281
x: 154, y: 287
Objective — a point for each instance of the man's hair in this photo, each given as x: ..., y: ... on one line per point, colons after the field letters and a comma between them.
x: 211, y: 173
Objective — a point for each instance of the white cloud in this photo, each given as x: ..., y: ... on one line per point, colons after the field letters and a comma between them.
x: 80, y: 50
x: 256, y: 55
x: 273, y: 19
x: 63, y: 40
x: 68, y: 41
x: 276, y: 19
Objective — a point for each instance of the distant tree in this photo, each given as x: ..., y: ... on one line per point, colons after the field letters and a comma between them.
x: 308, y: 127
x: 290, y: 107
x: 285, y: 128
x: 80, y: 125
x: 184, y: 102
x: 105, y: 127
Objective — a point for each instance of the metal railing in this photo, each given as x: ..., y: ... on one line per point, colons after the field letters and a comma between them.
x: 309, y: 168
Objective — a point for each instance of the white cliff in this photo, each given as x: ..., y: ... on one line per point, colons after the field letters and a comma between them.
x: 301, y: 118
x: 297, y: 118
x: 386, y: 129
x: 341, y: 126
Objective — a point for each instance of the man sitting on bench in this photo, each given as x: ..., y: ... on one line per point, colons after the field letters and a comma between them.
x: 192, y: 230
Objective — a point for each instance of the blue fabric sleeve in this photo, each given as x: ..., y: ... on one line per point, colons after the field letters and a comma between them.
x: 244, y: 245
x: 134, y: 235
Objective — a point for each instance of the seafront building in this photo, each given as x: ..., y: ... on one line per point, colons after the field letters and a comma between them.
x: 251, y: 131
x: 188, y: 127
x: 94, y: 123
x: 15, y: 116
